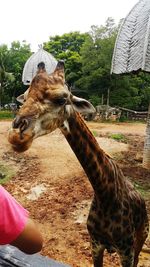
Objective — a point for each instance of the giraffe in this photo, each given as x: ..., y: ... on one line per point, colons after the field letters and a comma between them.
x: 117, y: 219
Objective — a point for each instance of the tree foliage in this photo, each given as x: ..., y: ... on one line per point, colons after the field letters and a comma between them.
x: 67, y: 47
x: 12, y: 61
x: 87, y: 59
x: 6, y: 78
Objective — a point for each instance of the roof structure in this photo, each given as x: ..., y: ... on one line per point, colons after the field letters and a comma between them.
x: 13, y: 257
x: 132, y: 48
x: 30, y: 67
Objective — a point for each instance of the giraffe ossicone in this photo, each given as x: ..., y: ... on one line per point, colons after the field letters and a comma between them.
x: 118, y: 218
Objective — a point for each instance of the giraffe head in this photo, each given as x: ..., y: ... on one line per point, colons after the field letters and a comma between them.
x: 46, y: 106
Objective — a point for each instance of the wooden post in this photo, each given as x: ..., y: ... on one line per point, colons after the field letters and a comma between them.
x: 102, y: 99
x: 108, y: 93
x: 146, y: 153
x: 0, y: 94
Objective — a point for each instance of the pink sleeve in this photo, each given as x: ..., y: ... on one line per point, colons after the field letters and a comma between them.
x: 13, y: 217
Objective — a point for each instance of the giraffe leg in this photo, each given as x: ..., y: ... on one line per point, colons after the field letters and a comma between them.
x: 127, y: 260
x: 97, y: 247
x: 140, y: 237
x: 97, y: 253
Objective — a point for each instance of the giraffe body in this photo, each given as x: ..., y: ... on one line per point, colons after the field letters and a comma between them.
x: 117, y: 219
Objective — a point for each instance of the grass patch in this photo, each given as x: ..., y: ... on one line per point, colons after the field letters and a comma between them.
x: 124, y: 119
x: 6, y: 114
x: 143, y: 189
x: 6, y: 173
x: 118, y: 137
x: 95, y: 133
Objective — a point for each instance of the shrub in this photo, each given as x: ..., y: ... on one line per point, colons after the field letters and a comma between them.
x: 6, y: 114
x: 118, y: 137
x: 6, y: 173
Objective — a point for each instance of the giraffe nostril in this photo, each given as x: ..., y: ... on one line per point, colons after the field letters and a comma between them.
x: 23, y: 125
x: 16, y: 122
x: 20, y: 123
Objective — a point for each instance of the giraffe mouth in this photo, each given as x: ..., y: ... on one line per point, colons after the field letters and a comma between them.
x: 21, y: 135
x: 20, y: 144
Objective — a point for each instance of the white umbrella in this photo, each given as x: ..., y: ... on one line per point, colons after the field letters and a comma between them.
x: 30, y: 67
x: 132, y: 53
x: 132, y: 48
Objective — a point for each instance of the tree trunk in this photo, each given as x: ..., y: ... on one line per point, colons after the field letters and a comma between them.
x: 108, y: 93
x: 0, y: 96
x: 146, y: 154
x: 102, y: 100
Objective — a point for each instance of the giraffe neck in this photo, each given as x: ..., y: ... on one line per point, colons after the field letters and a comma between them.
x: 98, y: 166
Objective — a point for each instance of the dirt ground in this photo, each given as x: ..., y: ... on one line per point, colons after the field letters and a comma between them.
x: 52, y: 185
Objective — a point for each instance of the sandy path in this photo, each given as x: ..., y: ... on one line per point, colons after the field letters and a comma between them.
x: 61, y: 210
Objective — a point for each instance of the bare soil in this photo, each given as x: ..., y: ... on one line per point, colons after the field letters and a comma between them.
x: 52, y: 185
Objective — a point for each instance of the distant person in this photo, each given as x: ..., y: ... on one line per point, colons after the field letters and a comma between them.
x: 16, y: 228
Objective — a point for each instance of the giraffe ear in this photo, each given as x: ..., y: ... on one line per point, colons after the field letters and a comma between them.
x: 22, y: 98
x: 81, y: 105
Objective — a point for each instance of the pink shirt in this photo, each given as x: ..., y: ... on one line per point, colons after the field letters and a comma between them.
x: 13, y: 217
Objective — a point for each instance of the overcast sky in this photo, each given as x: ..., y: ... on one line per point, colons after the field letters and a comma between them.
x: 36, y: 20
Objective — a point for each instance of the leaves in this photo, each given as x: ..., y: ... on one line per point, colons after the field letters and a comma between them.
x: 11, y: 66
x: 87, y: 59
x: 67, y: 47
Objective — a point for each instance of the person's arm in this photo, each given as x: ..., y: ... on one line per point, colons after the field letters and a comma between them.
x: 16, y: 228
x: 30, y: 240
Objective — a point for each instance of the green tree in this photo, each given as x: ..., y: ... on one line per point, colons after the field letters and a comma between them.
x: 129, y: 91
x: 18, y: 55
x: 96, y: 55
x: 6, y: 78
x: 67, y: 47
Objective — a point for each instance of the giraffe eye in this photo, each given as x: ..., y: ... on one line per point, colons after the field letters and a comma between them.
x: 60, y: 101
